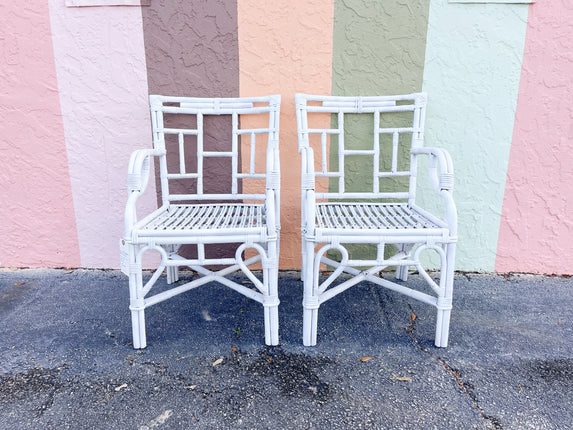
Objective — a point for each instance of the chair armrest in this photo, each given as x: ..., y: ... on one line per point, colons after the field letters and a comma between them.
x: 273, y: 188
x: 138, y: 169
x: 439, y: 159
x: 273, y: 179
x: 273, y: 218
x: 308, y: 199
x: 137, y: 180
x: 443, y: 183
x: 307, y: 168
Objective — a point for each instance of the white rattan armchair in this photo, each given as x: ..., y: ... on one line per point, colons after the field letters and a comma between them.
x: 382, y: 212
x: 246, y: 215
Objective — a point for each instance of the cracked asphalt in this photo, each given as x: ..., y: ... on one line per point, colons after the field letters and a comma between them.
x: 66, y: 360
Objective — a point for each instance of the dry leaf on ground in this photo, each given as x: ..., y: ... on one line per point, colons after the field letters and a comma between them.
x: 401, y: 378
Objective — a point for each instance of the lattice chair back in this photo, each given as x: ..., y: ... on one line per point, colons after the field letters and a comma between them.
x: 358, y: 190
x: 215, y: 149
x: 372, y: 134
x: 219, y: 174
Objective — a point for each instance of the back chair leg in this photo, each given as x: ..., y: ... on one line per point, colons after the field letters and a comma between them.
x: 172, y: 271
x: 445, y: 301
x: 172, y: 274
x: 402, y: 271
x: 310, y: 301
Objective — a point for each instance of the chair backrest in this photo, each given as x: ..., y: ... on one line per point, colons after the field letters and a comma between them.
x: 211, y: 147
x: 361, y: 144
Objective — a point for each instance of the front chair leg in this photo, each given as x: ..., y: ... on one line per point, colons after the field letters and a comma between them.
x: 310, y: 301
x: 271, y: 301
x: 137, y: 305
x: 445, y: 300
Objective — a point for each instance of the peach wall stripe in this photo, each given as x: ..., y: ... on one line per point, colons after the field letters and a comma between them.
x: 37, y: 222
x: 536, y: 233
x: 100, y: 63
x: 285, y: 47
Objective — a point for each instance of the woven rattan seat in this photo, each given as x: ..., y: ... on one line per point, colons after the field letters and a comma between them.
x: 341, y: 212
x: 190, y: 137
x: 344, y: 218
x: 225, y: 219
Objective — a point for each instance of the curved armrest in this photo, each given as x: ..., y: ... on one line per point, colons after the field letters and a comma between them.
x: 307, y: 167
x: 273, y: 225
x: 273, y: 174
x: 273, y: 190
x: 138, y: 169
x: 308, y: 199
x: 439, y: 159
x: 137, y: 180
x: 443, y: 183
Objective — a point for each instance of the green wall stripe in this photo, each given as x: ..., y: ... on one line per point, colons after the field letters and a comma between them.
x: 379, y: 49
x: 379, y: 46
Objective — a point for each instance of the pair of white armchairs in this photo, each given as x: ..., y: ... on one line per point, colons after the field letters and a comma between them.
x: 195, y: 139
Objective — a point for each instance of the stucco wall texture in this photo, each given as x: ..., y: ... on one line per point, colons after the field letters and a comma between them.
x: 37, y: 220
x: 471, y: 74
x: 102, y: 85
x: 75, y: 81
x: 193, y: 50
x: 379, y: 48
x: 536, y: 233
x: 285, y: 46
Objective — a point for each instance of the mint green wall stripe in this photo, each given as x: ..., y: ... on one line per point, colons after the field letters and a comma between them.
x: 473, y: 62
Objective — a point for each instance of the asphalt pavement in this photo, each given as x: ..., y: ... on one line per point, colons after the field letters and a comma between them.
x: 66, y: 359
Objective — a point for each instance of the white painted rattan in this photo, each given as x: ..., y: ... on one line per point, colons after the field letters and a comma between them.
x: 333, y: 219
x: 198, y: 217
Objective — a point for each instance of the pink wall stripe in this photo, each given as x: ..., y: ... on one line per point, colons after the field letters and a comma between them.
x: 100, y: 62
x: 536, y: 233
x: 37, y: 222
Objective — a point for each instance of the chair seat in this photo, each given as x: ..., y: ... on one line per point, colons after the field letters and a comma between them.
x: 353, y: 218
x: 213, y: 219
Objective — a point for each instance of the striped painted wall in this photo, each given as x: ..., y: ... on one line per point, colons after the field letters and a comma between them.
x: 74, y: 83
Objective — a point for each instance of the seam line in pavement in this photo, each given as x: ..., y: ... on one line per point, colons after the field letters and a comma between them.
x: 465, y: 388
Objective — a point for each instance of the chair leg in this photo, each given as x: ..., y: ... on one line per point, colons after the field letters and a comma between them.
x: 271, y: 302
x: 445, y: 301
x: 442, y: 327
x: 172, y: 274
x: 137, y: 305
x: 310, y: 301
x: 303, y: 263
x: 172, y: 271
x: 402, y: 271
